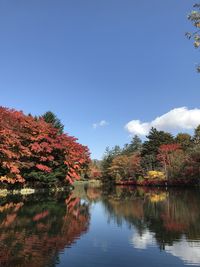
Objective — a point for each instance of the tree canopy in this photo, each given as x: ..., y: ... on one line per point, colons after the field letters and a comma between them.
x: 34, y: 150
x: 194, y: 17
x: 160, y: 159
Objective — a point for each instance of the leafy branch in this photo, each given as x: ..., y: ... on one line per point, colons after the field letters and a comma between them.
x: 194, y: 17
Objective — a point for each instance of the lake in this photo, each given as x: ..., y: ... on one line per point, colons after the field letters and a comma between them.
x: 89, y: 227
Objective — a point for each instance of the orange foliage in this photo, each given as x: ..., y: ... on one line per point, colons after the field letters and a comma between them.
x: 31, y: 145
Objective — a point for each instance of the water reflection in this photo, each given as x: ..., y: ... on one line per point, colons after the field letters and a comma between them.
x: 130, y: 223
x: 143, y: 241
x: 34, y: 230
x: 168, y: 219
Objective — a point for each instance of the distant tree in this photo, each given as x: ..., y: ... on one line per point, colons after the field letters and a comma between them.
x: 134, y: 146
x: 168, y: 155
x: 196, y: 138
x: 108, y: 157
x: 125, y: 168
x: 95, y: 170
x: 119, y: 168
x: 96, y: 163
x: 184, y: 139
x: 116, y: 150
x: 148, y: 162
x: 192, y: 166
x: 106, y: 162
x: 151, y: 146
x: 135, y: 169
x: 194, y: 17
x: 50, y: 117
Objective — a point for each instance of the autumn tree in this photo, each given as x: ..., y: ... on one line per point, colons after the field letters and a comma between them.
x: 34, y: 150
x: 95, y: 170
x: 177, y: 159
x: 125, y: 168
x: 194, y: 17
x: 172, y: 158
x: 109, y: 155
x: 135, y: 168
x: 119, y: 168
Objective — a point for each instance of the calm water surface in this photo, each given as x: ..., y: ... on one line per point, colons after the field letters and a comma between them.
x: 92, y: 227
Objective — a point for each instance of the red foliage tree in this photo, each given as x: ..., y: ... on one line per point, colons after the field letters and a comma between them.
x: 165, y: 151
x: 171, y: 158
x: 31, y: 147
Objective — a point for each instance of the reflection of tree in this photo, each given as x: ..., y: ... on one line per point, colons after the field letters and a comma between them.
x: 168, y: 214
x: 33, y: 233
x: 93, y: 193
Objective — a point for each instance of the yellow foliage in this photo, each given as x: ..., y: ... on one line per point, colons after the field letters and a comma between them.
x: 155, y: 175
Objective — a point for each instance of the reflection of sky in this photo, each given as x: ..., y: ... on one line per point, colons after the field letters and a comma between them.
x: 142, y: 241
x: 189, y: 252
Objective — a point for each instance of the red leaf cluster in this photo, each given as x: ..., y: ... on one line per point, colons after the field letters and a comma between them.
x: 165, y: 151
x: 32, y: 144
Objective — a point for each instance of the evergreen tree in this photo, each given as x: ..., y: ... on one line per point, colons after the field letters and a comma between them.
x: 106, y: 163
x: 196, y: 138
x: 184, y: 139
x: 50, y: 117
x: 151, y: 146
x: 134, y: 146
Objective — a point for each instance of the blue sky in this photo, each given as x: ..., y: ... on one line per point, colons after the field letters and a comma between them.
x: 95, y: 60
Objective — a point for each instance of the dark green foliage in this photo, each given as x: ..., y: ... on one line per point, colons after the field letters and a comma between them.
x: 109, y: 155
x: 151, y: 146
x: 184, y: 139
x: 196, y: 138
x: 53, y: 178
x: 192, y: 165
x: 134, y: 146
x: 149, y: 162
x: 50, y: 117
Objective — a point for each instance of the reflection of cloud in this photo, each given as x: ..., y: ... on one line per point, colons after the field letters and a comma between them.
x: 189, y: 252
x: 142, y: 241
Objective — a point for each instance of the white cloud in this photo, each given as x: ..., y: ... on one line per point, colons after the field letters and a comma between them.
x: 102, y: 123
x: 176, y: 119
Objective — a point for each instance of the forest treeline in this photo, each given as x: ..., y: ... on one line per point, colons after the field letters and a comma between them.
x: 36, y: 150
x: 160, y: 159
